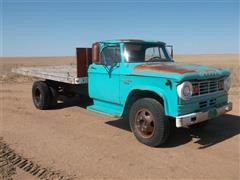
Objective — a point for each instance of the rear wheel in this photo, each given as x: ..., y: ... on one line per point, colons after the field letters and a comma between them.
x: 148, y: 122
x: 53, y: 97
x: 41, y: 95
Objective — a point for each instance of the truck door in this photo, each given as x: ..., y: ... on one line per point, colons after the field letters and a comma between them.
x: 104, y: 77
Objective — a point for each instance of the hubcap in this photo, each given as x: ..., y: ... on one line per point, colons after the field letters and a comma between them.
x: 144, y: 123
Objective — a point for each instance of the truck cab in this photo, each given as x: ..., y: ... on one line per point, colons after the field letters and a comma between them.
x: 140, y: 80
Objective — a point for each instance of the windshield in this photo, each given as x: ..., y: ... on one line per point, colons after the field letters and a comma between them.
x: 146, y: 53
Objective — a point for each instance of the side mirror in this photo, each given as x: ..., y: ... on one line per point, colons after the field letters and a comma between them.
x: 96, y: 53
x: 171, y: 49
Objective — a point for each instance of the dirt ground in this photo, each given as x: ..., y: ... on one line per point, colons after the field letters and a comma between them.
x: 84, y: 145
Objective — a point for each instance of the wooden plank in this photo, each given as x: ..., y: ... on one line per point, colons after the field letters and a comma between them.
x: 63, y: 73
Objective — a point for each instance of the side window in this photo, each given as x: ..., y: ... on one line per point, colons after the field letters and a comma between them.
x: 110, y: 55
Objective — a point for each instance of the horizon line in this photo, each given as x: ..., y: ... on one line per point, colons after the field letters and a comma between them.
x: 180, y: 54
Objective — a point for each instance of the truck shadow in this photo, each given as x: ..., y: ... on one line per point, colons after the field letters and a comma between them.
x: 216, y: 131
x: 79, y: 101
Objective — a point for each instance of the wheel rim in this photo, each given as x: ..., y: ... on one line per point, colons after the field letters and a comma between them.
x: 37, y: 96
x: 145, y: 123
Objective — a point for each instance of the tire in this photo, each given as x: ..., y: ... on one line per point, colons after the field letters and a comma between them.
x: 53, y: 97
x: 148, y: 122
x: 41, y: 95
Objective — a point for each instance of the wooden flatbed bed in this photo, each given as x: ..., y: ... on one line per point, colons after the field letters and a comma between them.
x: 61, y: 73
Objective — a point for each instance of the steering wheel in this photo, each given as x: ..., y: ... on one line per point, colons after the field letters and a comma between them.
x: 153, y: 58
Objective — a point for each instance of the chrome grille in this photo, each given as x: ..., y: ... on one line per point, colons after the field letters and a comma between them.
x: 207, y: 86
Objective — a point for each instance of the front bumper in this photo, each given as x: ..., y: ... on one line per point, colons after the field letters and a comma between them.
x: 194, y: 118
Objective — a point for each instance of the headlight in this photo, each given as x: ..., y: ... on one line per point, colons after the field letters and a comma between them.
x: 185, y: 90
x: 227, y: 84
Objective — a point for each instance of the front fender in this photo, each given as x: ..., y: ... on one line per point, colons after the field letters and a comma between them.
x: 170, y: 101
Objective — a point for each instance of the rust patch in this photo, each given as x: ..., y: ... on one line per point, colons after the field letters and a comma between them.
x: 163, y: 68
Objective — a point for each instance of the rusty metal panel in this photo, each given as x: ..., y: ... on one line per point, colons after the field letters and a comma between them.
x: 84, y: 56
x: 163, y: 68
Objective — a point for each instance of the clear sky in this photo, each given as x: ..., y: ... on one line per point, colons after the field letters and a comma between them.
x: 56, y: 27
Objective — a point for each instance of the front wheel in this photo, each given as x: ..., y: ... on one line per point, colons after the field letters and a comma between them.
x: 148, y: 122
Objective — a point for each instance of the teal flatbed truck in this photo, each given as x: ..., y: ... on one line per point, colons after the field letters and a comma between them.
x: 137, y: 80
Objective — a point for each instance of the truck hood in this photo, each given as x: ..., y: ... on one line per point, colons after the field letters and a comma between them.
x: 178, y: 71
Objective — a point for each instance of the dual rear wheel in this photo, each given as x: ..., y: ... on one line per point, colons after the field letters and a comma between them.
x: 44, y: 97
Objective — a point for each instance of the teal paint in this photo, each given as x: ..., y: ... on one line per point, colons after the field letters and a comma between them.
x: 191, y: 106
x: 110, y: 86
x: 104, y: 82
x: 106, y: 108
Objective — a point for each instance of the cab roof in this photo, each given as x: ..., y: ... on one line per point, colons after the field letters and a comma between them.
x: 132, y: 41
